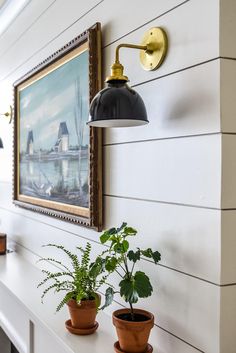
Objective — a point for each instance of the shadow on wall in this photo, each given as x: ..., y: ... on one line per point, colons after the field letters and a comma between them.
x: 183, y: 108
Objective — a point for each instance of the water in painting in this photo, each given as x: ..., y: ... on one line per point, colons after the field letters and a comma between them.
x: 54, y: 137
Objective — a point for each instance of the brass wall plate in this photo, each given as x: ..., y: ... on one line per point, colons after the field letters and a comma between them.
x: 156, y: 39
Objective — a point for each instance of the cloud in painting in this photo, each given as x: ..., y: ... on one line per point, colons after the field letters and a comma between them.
x: 53, y: 99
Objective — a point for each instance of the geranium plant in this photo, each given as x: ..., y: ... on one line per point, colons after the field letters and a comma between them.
x: 121, y: 259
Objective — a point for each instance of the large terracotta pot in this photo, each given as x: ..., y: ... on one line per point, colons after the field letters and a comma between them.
x: 82, y: 316
x: 133, y: 335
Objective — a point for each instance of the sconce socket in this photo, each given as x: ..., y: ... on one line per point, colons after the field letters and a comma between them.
x: 117, y: 70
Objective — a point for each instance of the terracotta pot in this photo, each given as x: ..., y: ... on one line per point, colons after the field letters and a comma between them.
x: 132, y: 335
x: 82, y: 316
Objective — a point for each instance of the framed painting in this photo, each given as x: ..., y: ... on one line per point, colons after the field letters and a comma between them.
x: 57, y: 157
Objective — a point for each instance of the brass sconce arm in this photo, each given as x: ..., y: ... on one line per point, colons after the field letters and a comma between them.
x: 132, y: 46
x: 153, y: 50
x: 117, y: 68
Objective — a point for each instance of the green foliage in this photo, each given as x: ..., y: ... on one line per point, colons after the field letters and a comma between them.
x: 109, y: 295
x: 120, y: 259
x: 80, y: 281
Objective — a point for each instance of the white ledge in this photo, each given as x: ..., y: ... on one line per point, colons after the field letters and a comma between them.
x: 20, y: 279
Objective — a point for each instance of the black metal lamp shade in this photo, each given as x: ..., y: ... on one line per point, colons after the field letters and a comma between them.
x: 1, y: 144
x: 117, y: 105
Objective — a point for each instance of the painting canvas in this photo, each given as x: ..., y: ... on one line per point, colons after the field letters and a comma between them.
x: 54, y: 137
x: 55, y: 160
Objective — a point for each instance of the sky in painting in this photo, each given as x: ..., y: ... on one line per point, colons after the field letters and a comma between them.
x: 53, y: 99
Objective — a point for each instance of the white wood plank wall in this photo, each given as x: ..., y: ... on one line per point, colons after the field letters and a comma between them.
x: 174, y: 180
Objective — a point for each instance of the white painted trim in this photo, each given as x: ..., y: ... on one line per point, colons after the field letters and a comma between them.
x: 12, y: 334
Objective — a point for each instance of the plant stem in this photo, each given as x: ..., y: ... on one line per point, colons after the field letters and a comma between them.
x: 131, y: 311
x: 131, y: 273
x: 126, y: 265
x: 119, y: 273
x: 122, y: 268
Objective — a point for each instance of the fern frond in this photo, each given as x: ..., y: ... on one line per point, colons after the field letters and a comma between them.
x: 66, y: 298
x: 73, y: 257
x: 66, y: 285
x: 53, y: 276
x: 58, y: 274
x: 81, y: 281
x: 86, y: 256
x: 47, y: 290
x: 48, y: 259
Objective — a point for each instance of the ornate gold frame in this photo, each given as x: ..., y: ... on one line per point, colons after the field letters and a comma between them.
x: 92, y: 217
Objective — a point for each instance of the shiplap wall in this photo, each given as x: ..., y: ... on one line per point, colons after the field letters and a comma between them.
x: 170, y: 179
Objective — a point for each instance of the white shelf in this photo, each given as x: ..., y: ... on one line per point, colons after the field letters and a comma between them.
x: 18, y: 280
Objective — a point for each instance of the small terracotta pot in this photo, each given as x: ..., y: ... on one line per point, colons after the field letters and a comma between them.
x: 82, y: 316
x: 132, y: 335
x: 3, y: 244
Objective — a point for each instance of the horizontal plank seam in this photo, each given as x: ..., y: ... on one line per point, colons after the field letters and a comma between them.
x: 161, y: 202
x: 45, y: 10
x: 228, y: 285
x: 181, y: 339
x: 228, y: 209
x: 45, y: 45
x: 27, y: 29
x: 146, y: 23
x: 161, y: 139
x: 102, y: 293
x: 29, y: 250
x: 97, y: 242
x: 193, y: 276
x: 19, y: 13
x: 163, y: 329
x: 76, y: 22
x: 177, y: 71
x: 228, y: 133
x: 227, y: 58
x: 50, y: 225
x: 148, y: 200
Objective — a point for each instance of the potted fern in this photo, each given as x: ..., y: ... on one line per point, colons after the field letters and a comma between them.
x: 80, y: 282
x: 133, y: 326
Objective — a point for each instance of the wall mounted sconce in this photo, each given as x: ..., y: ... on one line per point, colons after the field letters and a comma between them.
x: 118, y: 105
x: 9, y: 115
